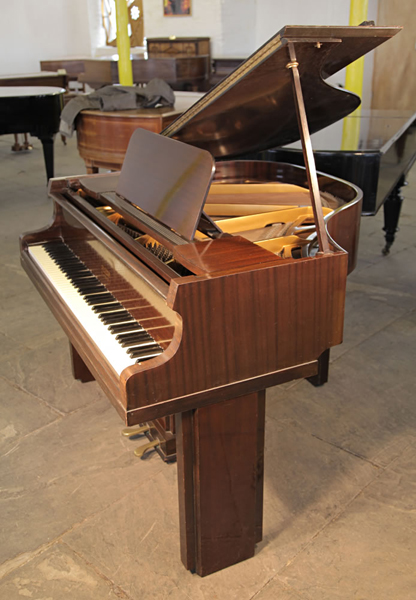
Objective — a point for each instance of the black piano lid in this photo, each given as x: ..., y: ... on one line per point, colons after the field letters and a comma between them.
x: 253, y: 108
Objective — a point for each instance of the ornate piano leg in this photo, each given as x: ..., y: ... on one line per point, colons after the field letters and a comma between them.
x: 47, y: 145
x: 323, y: 369
x: 392, y: 208
x: 26, y: 144
x: 17, y: 145
x: 220, y: 450
x: 79, y: 368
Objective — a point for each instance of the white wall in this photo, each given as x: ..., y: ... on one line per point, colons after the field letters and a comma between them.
x: 35, y: 30
x: 204, y: 21
x: 239, y: 19
x: 272, y: 15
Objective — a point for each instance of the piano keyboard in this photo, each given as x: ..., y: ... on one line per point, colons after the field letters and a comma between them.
x: 120, y: 337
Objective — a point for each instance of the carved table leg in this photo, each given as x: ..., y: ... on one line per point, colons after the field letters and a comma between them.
x: 79, y: 368
x: 392, y: 208
x: 220, y: 452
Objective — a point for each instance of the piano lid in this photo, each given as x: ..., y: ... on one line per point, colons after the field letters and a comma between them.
x: 253, y: 108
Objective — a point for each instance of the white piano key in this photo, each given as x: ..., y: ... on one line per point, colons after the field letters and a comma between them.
x: 83, y: 313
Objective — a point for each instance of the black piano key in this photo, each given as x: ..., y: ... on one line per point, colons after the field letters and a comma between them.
x: 103, y: 308
x: 95, y: 299
x: 91, y: 290
x: 91, y: 287
x: 86, y: 280
x: 77, y: 273
x: 82, y: 276
x: 129, y: 333
x: 133, y: 334
x: 84, y: 287
x: 132, y: 342
x: 149, y: 343
x: 148, y: 351
x: 131, y: 326
x: 112, y: 319
x: 65, y: 260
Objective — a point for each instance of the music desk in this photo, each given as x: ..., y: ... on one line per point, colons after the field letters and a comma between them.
x: 103, y: 137
x: 36, y: 110
x: 374, y: 149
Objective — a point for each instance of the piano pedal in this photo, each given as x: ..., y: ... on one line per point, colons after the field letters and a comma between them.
x: 162, y: 440
x: 130, y: 433
x: 141, y: 451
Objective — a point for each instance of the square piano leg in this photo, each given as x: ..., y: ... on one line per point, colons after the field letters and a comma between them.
x: 220, y: 451
x: 79, y: 368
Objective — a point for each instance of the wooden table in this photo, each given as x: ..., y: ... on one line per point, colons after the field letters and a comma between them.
x: 103, y: 137
x: 44, y: 78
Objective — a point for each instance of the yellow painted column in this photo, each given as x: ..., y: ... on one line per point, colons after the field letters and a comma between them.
x: 354, y: 80
x: 125, y: 71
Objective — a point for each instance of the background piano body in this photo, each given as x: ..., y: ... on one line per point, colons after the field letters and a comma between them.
x: 176, y: 311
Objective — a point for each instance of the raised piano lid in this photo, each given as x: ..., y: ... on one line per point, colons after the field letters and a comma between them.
x: 253, y: 108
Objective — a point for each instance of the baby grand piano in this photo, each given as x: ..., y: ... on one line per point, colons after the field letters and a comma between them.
x: 181, y: 297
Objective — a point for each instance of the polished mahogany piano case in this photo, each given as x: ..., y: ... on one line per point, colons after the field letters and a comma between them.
x: 219, y: 290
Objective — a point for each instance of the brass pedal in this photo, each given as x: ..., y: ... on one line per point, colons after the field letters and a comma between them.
x: 141, y: 450
x: 133, y: 432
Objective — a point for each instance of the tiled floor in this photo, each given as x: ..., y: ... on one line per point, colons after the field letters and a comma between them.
x: 82, y: 519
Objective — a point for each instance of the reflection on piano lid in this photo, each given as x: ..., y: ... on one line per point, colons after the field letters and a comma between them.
x: 215, y: 315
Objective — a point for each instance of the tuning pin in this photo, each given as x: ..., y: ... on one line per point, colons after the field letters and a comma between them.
x: 141, y: 451
x: 133, y: 432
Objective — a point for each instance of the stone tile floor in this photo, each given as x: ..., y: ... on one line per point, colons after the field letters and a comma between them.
x: 82, y: 518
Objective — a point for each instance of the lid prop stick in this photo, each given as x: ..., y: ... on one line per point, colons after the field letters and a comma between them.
x: 308, y: 152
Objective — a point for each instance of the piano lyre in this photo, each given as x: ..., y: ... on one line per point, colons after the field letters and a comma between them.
x: 190, y: 299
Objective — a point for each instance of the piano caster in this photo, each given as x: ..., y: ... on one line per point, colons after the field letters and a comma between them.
x: 142, y: 450
x: 130, y: 433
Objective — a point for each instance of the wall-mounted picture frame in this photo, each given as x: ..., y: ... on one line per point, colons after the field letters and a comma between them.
x: 177, y: 8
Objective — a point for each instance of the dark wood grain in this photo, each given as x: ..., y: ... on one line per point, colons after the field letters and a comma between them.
x: 80, y: 370
x: 103, y: 137
x: 180, y: 72
x: 219, y: 475
x: 35, y: 80
x: 300, y: 314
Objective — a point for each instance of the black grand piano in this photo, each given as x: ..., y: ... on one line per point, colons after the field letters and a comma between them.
x: 374, y: 149
x: 35, y: 110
